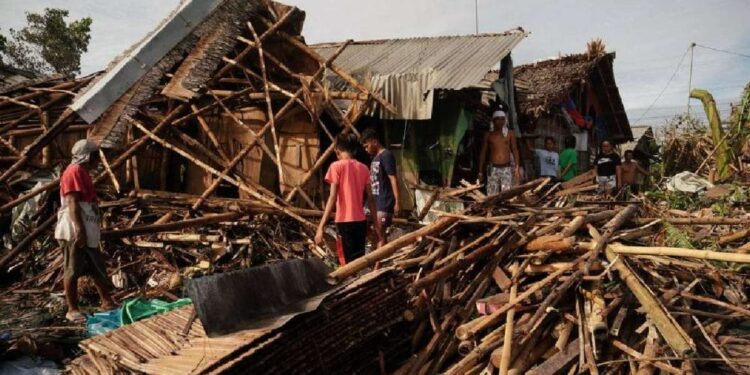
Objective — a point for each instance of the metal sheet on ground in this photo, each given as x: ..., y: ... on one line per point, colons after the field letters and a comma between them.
x: 257, y: 297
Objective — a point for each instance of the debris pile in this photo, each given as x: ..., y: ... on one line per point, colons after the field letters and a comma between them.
x: 206, y: 161
x: 356, y: 326
x: 534, y: 280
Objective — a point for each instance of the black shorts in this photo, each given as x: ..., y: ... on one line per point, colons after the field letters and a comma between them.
x: 350, y: 243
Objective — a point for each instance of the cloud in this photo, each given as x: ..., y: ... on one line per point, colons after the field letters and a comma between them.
x: 649, y: 37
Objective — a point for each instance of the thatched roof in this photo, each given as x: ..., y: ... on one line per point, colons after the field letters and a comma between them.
x: 545, y: 83
x: 541, y: 86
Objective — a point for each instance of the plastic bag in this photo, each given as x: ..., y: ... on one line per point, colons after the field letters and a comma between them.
x: 136, y: 309
x: 103, y: 322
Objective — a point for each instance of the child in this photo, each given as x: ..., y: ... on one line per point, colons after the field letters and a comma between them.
x: 350, y: 182
x: 548, y: 160
x: 569, y: 159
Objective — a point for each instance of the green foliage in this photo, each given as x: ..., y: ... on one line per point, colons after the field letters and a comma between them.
x: 676, y: 199
x: 674, y: 237
x: 47, y: 44
x: 721, y: 209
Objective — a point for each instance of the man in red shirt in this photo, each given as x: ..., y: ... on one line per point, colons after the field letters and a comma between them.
x: 350, y: 182
x: 78, y: 229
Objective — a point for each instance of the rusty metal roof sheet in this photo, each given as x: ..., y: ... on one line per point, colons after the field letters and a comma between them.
x: 406, y: 71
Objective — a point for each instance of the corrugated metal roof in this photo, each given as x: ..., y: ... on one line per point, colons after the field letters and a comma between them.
x: 406, y: 71
x: 140, y: 59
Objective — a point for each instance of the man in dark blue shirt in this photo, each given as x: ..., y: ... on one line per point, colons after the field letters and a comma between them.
x: 383, y: 181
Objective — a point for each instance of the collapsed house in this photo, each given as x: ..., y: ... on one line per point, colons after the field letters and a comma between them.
x: 439, y: 89
x: 207, y: 83
x: 570, y: 95
x: 538, y: 278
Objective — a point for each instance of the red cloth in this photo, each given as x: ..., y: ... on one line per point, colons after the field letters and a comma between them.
x: 77, y: 179
x: 340, y: 251
x: 352, y: 178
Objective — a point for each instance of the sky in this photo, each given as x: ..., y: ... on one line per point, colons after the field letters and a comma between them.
x: 651, y: 38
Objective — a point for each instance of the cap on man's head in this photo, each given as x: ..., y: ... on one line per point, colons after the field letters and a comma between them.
x: 82, y: 150
x: 496, y: 114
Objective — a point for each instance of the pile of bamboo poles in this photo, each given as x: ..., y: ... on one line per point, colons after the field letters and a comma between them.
x: 154, y: 236
x: 535, y: 281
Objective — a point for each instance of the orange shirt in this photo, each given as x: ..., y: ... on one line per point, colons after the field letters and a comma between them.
x: 352, y: 178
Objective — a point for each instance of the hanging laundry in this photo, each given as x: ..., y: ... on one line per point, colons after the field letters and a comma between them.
x: 570, y: 108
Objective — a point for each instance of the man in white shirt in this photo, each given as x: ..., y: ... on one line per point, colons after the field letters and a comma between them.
x: 548, y: 159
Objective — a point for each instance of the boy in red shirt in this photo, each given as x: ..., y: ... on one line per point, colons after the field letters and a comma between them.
x: 78, y: 229
x: 350, y: 182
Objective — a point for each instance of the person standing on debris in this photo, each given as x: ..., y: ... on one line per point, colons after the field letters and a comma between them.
x: 504, y: 160
x: 632, y: 172
x: 607, y: 170
x: 569, y: 159
x: 383, y: 181
x: 350, y: 182
x: 78, y: 229
x: 548, y: 159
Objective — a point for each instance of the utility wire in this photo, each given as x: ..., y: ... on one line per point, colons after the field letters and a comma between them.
x: 724, y: 51
x: 665, y: 86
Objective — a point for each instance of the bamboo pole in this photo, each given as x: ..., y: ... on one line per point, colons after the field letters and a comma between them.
x: 209, y: 133
x: 135, y: 147
x: 505, y: 359
x: 269, y: 106
x: 673, y: 334
x: 109, y: 172
x: 470, y: 329
x: 335, y: 68
x: 270, y: 31
x: 60, y: 124
x: 635, y: 354
x: 693, y: 220
x: 24, y: 197
x: 176, y: 225
x: 388, y: 249
x: 619, y: 248
x: 613, y: 225
x: 210, y: 169
x: 649, y: 350
x: 736, y: 236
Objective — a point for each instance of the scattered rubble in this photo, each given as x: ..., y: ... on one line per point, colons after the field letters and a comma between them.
x: 543, y: 278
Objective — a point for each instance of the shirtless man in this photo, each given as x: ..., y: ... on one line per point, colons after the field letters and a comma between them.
x: 630, y: 170
x: 504, y: 162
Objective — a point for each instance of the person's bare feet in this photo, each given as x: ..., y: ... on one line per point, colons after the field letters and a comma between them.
x: 75, y: 316
x: 108, y: 305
